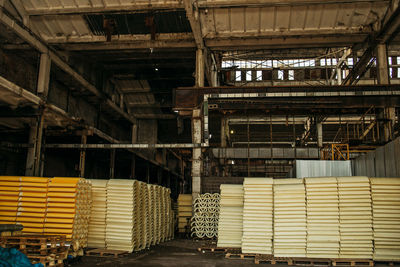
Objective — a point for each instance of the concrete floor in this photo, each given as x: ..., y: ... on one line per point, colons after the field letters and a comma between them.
x: 178, y: 252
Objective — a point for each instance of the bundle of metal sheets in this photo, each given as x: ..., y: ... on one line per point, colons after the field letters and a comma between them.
x: 10, y: 187
x: 230, y: 225
x: 386, y: 218
x: 290, y: 219
x: 355, y: 213
x: 97, y: 222
x: 322, y: 217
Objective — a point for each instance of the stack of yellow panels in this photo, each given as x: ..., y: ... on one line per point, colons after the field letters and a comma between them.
x: 164, y: 218
x: 68, y: 209
x: 120, y: 215
x: 154, y: 214
x: 32, y: 204
x: 322, y: 217
x: 97, y: 222
x: 158, y: 212
x: 257, y: 215
x: 145, y: 196
x: 184, y: 212
x: 355, y: 218
x: 142, y: 214
x: 290, y: 219
x: 9, y: 195
x: 170, y: 214
x: 386, y: 218
x: 230, y: 225
x: 150, y: 221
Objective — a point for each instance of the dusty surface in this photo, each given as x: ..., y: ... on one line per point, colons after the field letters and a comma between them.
x: 178, y: 252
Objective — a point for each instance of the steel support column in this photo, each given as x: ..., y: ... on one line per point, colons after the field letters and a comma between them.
x: 196, y: 158
x: 320, y: 134
x: 44, y: 76
x: 200, y: 65
x: 34, y: 155
x: 82, y: 159
x: 382, y: 64
x: 112, y: 163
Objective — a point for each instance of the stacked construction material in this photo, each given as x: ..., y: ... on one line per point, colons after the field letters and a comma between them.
x: 158, y: 214
x: 142, y: 215
x: 137, y: 216
x: 230, y: 225
x: 290, y: 220
x: 171, y: 217
x: 145, y: 214
x: 206, y: 213
x: 355, y: 214
x: 322, y: 217
x: 97, y: 222
x: 68, y: 209
x: 154, y: 214
x: 386, y: 218
x: 257, y: 215
x: 9, y: 195
x: 184, y: 212
x: 32, y: 204
x: 150, y: 221
x: 121, y: 210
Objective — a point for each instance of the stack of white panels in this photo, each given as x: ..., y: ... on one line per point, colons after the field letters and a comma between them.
x: 230, y: 227
x: 290, y: 219
x: 322, y: 217
x: 97, y: 222
x: 120, y: 215
x: 355, y: 213
x: 257, y: 215
x: 386, y: 218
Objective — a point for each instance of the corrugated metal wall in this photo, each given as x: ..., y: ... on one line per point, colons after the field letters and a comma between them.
x: 322, y: 168
x: 383, y: 162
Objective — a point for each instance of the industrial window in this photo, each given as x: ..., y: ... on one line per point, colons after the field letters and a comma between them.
x: 238, y: 76
x: 391, y: 72
x: 322, y: 62
x: 248, y: 75
x: 398, y: 72
x: 343, y: 74
x: 350, y: 61
x: 259, y: 75
x: 390, y: 60
x: 291, y: 75
x: 280, y: 75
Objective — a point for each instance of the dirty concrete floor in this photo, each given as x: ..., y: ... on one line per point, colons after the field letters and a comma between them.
x: 177, y: 252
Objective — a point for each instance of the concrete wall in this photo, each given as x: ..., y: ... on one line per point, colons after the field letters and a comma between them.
x: 383, y: 162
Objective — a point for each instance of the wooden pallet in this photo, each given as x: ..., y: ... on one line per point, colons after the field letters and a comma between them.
x: 311, y: 261
x: 41, y: 241
x: 389, y: 263
x: 211, y: 249
x: 100, y: 252
x: 242, y: 256
x: 270, y: 259
x: 352, y: 262
x: 47, y: 260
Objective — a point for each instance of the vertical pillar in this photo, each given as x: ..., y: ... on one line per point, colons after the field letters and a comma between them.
x: 382, y: 64
x: 34, y: 155
x: 196, y: 158
x: 389, y: 114
x: 44, y: 76
x: 134, y: 141
x: 82, y: 159
x: 112, y: 163
x: 319, y: 132
x: 224, y: 126
x: 200, y: 68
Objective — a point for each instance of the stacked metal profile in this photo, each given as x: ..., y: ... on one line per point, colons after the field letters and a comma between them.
x: 68, y: 209
x: 184, y: 212
x: 386, y: 218
x: 150, y: 191
x: 137, y: 218
x: 158, y: 214
x: 9, y: 194
x: 230, y: 225
x: 355, y: 214
x: 257, y: 215
x: 290, y: 218
x: 322, y: 217
x: 32, y: 204
x: 98, y: 214
x: 145, y: 214
x: 206, y: 213
x: 120, y: 218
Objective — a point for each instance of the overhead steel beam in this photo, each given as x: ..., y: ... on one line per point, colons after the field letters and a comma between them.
x: 38, y: 44
x: 194, y: 19
x: 127, y: 8
x: 390, y: 25
x: 271, y: 3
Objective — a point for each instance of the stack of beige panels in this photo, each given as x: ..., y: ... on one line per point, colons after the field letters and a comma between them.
x: 150, y: 222
x: 257, y: 215
x: 120, y: 215
x: 158, y: 214
x: 145, y: 196
x: 355, y: 213
x: 290, y: 219
x: 230, y: 225
x: 171, y: 217
x: 137, y: 216
x: 184, y: 212
x: 322, y: 217
x: 143, y: 204
x: 386, y: 218
x: 68, y: 209
x: 97, y: 222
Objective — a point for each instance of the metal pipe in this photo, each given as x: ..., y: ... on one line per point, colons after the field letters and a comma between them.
x: 124, y: 146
